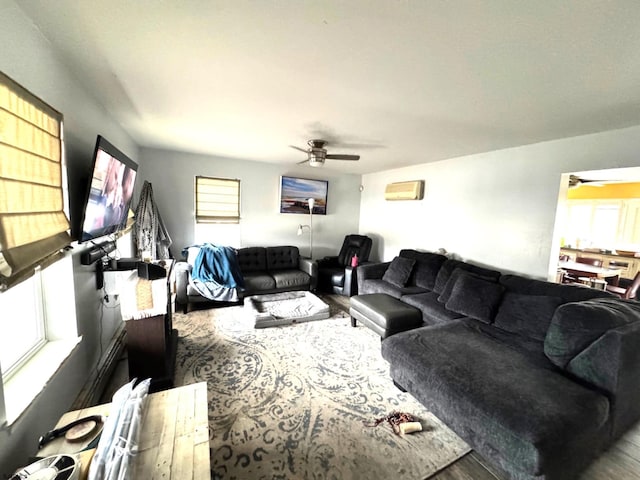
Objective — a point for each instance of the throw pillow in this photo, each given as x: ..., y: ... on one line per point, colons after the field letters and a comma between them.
x: 475, y: 297
x: 399, y: 271
x: 448, y: 287
x: 527, y: 315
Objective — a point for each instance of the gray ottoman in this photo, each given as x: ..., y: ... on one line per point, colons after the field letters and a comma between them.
x: 384, y: 314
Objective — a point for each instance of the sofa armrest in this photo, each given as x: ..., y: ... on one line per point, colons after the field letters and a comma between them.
x: 350, y: 287
x: 182, y: 273
x: 612, y: 364
x: 371, y: 271
x: 596, y: 342
x: 310, y: 267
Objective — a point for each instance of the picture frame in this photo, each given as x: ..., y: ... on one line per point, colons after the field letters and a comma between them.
x: 295, y: 192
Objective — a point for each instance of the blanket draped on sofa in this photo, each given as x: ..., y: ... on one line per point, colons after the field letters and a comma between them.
x: 216, y: 274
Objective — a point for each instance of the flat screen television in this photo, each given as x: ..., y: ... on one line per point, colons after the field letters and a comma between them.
x: 109, y: 193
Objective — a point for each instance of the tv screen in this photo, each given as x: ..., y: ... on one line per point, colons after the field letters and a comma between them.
x: 110, y: 191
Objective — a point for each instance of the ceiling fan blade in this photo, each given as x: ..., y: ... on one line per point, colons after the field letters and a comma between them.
x: 339, y: 156
x: 304, y: 161
x: 298, y: 148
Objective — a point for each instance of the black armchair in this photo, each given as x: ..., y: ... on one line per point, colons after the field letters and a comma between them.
x: 335, y: 274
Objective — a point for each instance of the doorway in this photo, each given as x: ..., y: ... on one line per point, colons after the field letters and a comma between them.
x: 598, y: 214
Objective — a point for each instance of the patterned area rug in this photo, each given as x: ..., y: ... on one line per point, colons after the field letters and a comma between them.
x: 291, y: 402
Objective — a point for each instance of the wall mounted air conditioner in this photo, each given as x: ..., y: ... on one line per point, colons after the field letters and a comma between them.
x: 413, y: 190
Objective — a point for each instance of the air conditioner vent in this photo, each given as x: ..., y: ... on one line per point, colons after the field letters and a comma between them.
x: 413, y: 190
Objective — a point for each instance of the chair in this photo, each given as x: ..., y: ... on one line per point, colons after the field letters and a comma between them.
x: 335, y: 274
x: 630, y: 292
x: 596, y: 262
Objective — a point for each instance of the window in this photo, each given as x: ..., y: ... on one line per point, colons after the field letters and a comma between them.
x: 217, y: 200
x: 594, y: 223
x: 38, y: 325
x: 21, y: 339
x: 217, y: 211
x: 33, y: 223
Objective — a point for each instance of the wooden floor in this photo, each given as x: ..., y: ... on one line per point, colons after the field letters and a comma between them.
x: 620, y: 462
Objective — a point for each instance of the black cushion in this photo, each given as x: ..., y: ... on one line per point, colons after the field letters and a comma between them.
x: 282, y: 257
x: 475, y: 297
x: 527, y: 315
x: 252, y: 259
x: 432, y: 311
x: 426, y: 268
x: 450, y: 265
x: 448, y: 288
x: 569, y: 293
x: 399, y: 271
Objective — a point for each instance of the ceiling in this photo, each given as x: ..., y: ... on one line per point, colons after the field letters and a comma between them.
x: 398, y: 82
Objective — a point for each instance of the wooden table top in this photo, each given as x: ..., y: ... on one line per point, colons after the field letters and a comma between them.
x: 589, y: 270
x: 174, y: 437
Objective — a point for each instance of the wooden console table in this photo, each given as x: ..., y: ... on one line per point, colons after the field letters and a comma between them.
x: 147, y: 307
x: 174, y: 435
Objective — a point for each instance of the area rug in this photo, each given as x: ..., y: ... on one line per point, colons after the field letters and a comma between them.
x: 296, y: 401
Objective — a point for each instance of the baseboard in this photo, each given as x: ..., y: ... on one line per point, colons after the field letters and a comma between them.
x: 99, y: 378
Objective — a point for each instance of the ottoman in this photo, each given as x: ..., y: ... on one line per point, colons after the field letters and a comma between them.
x: 384, y: 314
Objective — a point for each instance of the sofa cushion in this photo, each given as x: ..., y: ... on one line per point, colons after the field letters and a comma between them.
x: 252, y: 259
x: 380, y: 286
x: 290, y: 278
x: 526, y: 315
x: 282, y: 258
x: 254, y: 282
x: 433, y: 312
x: 569, y: 293
x: 497, y: 398
x: 426, y: 268
x: 475, y: 297
x: 450, y: 265
x: 399, y: 271
x: 575, y: 326
x: 448, y: 288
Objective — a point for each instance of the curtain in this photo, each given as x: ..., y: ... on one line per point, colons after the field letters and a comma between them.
x: 149, y: 232
x: 33, y: 224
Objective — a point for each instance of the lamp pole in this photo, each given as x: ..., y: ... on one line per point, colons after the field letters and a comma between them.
x: 311, y: 204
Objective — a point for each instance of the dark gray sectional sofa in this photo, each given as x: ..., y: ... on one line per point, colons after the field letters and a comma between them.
x: 264, y: 270
x: 537, y: 377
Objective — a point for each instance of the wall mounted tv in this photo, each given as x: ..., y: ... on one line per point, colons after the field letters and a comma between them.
x: 109, y: 193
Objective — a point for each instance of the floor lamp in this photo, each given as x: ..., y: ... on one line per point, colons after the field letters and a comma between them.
x: 310, y: 226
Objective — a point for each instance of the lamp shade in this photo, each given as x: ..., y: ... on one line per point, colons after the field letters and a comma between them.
x: 312, y: 202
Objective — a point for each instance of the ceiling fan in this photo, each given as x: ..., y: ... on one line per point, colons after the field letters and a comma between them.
x: 575, y: 181
x: 317, y: 154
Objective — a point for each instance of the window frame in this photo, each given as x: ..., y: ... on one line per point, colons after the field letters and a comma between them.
x: 199, y: 202
x: 37, y: 292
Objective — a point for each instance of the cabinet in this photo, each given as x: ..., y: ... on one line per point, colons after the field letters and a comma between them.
x: 147, y: 307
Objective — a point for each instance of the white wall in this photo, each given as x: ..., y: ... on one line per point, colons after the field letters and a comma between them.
x: 495, y: 208
x: 172, y: 174
x: 28, y: 58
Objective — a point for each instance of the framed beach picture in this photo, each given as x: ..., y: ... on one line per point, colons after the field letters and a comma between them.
x: 295, y: 193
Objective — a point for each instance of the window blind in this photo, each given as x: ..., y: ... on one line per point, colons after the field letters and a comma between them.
x: 217, y: 200
x: 33, y: 224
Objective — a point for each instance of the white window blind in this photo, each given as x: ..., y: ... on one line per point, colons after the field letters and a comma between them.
x: 33, y: 225
x: 217, y: 200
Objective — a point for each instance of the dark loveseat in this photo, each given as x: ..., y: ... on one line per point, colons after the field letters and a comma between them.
x: 264, y: 270
x: 537, y: 377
